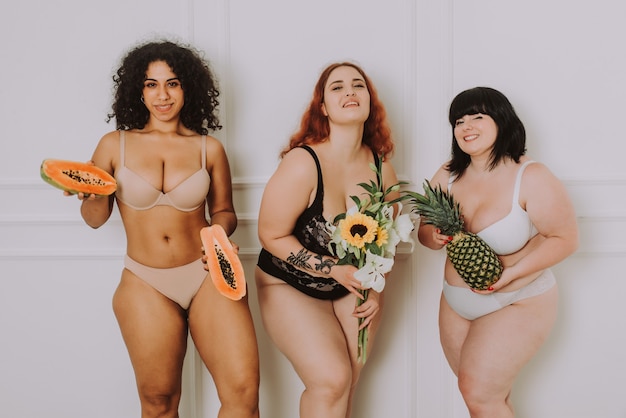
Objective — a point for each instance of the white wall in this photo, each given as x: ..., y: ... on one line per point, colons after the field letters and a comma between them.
x: 561, y: 63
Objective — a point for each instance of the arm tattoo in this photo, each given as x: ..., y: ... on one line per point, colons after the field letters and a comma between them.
x: 301, y: 259
x: 324, y: 265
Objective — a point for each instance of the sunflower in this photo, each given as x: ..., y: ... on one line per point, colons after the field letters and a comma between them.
x: 382, y: 237
x: 358, y: 229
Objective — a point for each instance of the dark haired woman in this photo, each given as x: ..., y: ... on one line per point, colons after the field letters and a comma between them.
x: 524, y: 213
x: 169, y: 172
x: 308, y: 301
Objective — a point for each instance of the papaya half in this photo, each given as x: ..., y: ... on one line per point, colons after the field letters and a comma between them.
x: 224, y: 265
x: 76, y: 177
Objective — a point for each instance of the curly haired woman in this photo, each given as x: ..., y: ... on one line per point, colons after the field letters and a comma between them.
x: 169, y: 173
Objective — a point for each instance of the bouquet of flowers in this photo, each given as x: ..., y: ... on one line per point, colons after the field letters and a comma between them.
x: 366, y: 236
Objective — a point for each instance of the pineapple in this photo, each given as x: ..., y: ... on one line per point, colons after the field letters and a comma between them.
x: 472, y: 258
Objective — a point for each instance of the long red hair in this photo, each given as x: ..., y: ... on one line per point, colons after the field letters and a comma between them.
x: 314, y: 126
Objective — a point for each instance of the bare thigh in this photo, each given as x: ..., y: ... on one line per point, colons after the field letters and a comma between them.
x: 491, y: 350
x: 154, y: 329
x: 223, y: 333
x: 306, y: 330
x: 344, y: 308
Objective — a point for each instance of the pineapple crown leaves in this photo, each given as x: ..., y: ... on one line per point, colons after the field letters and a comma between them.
x: 438, y: 208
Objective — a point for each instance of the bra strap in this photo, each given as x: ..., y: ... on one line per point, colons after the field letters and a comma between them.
x: 204, y: 151
x: 122, y: 147
x: 518, y: 181
x: 320, y: 182
x: 450, y: 181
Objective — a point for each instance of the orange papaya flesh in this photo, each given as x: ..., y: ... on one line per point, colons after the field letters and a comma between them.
x: 224, y: 265
x: 76, y: 177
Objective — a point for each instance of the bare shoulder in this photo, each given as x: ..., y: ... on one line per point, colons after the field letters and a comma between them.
x: 295, y: 178
x: 213, y: 144
x: 441, y: 177
x: 109, y: 143
x: 537, y: 173
x: 110, y: 139
x: 540, y: 184
x: 298, y: 161
x: 389, y: 173
x: 388, y: 165
x: 215, y: 154
x: 296, y: 167
x: 107, y: 151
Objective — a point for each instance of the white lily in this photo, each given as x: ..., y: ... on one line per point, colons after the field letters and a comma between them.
x: 352, y: 210
x: 403, y: 226
x: 387, y: 211
x: 400, y: 231
x: 372, y: 274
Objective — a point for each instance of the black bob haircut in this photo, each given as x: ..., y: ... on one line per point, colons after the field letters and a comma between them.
x: 511, y: 137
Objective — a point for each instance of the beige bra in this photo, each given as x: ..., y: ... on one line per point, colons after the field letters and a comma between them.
x: 137, y: 193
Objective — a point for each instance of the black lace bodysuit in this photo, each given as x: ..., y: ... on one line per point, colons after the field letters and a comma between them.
x: 312, y: 233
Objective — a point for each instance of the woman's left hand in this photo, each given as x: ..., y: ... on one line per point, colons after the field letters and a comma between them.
x: 205, y: 259
x: 235, y: 246
x: 368, y: 309
x: 505, y: 278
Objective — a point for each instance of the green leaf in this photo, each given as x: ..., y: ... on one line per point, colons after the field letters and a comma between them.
x: 365, y: 186
x: 375, y: 249
x: 355, y: 200
x: 345, y: 261
x: 375, y: 207
x: 339, y: 217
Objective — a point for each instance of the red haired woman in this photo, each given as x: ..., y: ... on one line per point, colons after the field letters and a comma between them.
x: 307, y: 300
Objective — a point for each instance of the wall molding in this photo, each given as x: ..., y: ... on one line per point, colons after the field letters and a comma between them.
x: 590, y: 216
x: 24, y: 184
x: 245, y: 183
x: 244, y: 219
x: 251, y: 182
x: 106, y: 254
x: 68, y: 220
x: 35, y: 183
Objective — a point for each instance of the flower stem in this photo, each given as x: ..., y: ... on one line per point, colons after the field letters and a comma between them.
x: 363, y: 333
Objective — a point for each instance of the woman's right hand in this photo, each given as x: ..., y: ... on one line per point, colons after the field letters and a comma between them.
x: 81, y: 195
x: 344, y: 274
x: 439, y: 238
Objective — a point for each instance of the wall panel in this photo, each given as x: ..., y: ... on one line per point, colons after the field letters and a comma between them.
x: 270, y: 65
x: 61, y: 342
x: 563, y: 77
x: 62, y: 353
